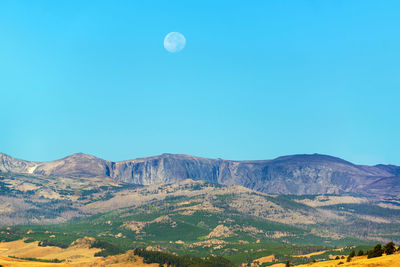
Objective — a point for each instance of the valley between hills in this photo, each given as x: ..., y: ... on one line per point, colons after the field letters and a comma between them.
x: 85, y: 210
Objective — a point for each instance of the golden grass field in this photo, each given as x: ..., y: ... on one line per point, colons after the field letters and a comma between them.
x: 72, y: 256
x: 384, y: 261
x: 270, y: 258
x: 81, y: 255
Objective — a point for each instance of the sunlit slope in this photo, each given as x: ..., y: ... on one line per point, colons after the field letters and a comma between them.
x: 78, y: 254
x: 384, y: 261
x: 6, y: 262
x: 21, y: 249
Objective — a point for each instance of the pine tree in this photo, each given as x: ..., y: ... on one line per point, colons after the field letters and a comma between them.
x: 389, y: 248
x: 352, y: 254
x: 376, y: 252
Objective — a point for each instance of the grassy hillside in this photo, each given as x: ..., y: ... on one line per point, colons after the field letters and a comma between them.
x: 191, y: 218
x: 185, y: 226
x: 363, y: 261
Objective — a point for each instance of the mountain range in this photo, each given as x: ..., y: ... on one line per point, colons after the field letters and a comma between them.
x: 186, y: 205
x: 295, y: 174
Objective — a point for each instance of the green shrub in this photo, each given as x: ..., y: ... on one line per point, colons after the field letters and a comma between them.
x: 36, y: 259
x: 351, y: 255
x: 52, y: 243
x: 108, y: 249
x: 360, y: 252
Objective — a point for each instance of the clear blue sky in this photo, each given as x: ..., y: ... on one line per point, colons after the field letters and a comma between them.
x: 256, y: 80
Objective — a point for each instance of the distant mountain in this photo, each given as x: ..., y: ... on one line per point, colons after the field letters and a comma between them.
x: 296, y: 174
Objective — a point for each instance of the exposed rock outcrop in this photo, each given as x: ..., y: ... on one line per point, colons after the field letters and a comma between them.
x: 220, y: 231
x: 297, y: 174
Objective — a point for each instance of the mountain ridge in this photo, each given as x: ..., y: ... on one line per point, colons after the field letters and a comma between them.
x: 292, y: 174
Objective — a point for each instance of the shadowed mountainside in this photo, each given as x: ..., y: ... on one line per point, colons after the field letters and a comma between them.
x: 296, y: 174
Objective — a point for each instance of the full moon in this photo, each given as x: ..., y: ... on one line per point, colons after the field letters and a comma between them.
x: 174, y: 42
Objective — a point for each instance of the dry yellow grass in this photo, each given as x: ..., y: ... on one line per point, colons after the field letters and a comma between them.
x: 321, y: 201
x: 31, y: 250
x: 114, y: 261
x: 384, y: 261
x: 259, y: 261
x: 319, y: 253
x: 311, y: 254
x: 269, y: 258
x: 78, y: 256
x: 10, y: 262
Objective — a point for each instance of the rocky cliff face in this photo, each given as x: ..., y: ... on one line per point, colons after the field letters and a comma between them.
x: 297, y: 174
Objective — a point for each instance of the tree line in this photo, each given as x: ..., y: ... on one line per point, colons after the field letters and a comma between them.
x: 166, y: 259
x: 377, y: 251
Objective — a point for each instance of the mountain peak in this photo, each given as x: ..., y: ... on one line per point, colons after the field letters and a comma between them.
x: 313, y: 158
x: 81, y: 156
x: 2, y: 155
